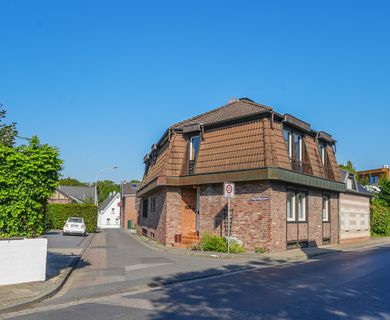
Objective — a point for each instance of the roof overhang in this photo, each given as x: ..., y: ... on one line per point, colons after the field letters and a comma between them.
x: 265, y: 173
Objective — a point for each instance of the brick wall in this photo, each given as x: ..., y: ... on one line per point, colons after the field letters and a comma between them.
x: 259, y: 214
x: 129, y: 211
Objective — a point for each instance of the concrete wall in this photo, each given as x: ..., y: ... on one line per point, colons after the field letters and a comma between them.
x: 354, y: 217
x: 22, y: 260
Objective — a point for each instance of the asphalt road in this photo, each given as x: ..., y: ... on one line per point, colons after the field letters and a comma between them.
x: 350, y: 285
x: 55, y: 239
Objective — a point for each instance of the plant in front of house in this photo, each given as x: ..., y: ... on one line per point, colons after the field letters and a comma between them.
x: 28, y: 176
x: 212, y: 242
x: 380, y: 210
x: 260, y: 250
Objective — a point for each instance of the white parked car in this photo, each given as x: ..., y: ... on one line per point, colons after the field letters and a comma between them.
x: 74, y: 225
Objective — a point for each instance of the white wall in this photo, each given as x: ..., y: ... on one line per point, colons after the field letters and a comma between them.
x: 354, y: 216
x: 22, y: 260
x: 111, y: 212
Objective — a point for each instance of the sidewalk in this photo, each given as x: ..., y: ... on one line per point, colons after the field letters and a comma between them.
x: 288, y: 255
x: 60, y: 263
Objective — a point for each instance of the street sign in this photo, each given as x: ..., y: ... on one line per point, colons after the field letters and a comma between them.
x: 228, y: 189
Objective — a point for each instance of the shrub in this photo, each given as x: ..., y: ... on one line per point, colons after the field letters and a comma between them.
x: 380, y: 219
x: 28, y: 176
x: 260, y: 250
x: 210, y: 242
x: 57, y: 214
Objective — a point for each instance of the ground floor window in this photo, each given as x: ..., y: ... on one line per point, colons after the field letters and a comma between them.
x: 296, y: 206
x: 325, y: 208
x: 145, y: 208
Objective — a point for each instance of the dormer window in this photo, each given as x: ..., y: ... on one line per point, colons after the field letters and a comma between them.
x: 351, y: 183
x: 294, y: 145
x: 194, y: 147
x: 322, y: 153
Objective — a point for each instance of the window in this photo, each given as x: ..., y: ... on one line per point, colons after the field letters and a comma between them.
x: 325, y: 208
x: 351, y: 183
x: 296, y: 206
x: 113, y: 211
x: 374, y: 180
x: 301, y: 206
x: 194, y: 147
x: 294, y: 143
x: 290, y: 206
x: 145, y: 208
x: 322, y: 153
x: 152, y: 204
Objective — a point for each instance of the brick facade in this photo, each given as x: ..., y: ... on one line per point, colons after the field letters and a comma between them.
x: 258, y: 214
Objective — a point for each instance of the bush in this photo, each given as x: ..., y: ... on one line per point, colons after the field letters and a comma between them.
x: 28, y: 177
x: 210, y: 242
x: 57, y: 214
x: 380, y: 219
x: 260, y: 250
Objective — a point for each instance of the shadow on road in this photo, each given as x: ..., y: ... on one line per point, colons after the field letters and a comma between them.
x: 56, y: 262
x: 317, y: 290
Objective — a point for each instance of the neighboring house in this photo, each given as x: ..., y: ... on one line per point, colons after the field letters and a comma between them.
x: 286, y: 175
x: 373, y: 176
x: 128, y: 204
x: 109, y: 212
x: 71, y: 194
x: 354, y: 210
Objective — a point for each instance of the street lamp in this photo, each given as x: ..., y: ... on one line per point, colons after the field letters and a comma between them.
x: 96, y: 181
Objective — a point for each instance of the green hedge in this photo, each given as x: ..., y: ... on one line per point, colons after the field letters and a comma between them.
x: 380, y: 220
x: 57, y: 214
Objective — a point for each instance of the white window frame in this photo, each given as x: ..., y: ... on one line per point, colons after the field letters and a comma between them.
x: 301, y: 205
x: 112, y: 210
x: 292, y: 216
x: 322, y: 153
x: 192, y: 156
x: 325, y: 208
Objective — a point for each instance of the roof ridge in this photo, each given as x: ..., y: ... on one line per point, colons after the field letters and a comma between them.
x: 244, y: 100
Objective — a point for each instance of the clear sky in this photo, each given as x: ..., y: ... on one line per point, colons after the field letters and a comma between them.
x: 102, y: 80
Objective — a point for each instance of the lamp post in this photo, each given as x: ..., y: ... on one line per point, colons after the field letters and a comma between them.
x: 96, y: 181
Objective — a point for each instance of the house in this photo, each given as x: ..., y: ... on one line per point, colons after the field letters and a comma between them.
x: 73, y: 194
x: 128, y: 204
x: 286, y: 176
x: 373, y: 176
x: 109, y: 212
x: 354, y: 210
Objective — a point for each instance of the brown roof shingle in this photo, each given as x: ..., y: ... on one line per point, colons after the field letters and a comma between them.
x: 233, y: 110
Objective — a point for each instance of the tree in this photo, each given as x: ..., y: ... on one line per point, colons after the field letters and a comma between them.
x: 383, y: 196
x: 348, y: 167
x: 72, y: 182
x: 105, y: 187
x: 28, y: 177
x: 135, y: 181
x: 8, y: 132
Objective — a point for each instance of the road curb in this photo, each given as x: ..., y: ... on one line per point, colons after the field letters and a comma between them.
x: 57, y: 286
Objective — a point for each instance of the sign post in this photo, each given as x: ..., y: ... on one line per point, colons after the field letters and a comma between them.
x: 228, y: 192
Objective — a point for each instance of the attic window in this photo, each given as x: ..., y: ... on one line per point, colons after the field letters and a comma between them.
x: 194, y: 147
x: 351, y: 184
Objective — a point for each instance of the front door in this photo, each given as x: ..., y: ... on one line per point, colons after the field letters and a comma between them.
x: 188, y: 215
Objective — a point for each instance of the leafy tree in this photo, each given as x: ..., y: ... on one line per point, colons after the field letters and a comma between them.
x: 348, y: 167
x: 135, y: 181
x: 105, y: 187
x: 8, y: 132
x: 383, y: 196
x: 28, y: 177
x: 72, y: 182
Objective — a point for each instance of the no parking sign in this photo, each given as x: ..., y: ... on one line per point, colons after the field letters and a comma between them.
x: 228, y: 189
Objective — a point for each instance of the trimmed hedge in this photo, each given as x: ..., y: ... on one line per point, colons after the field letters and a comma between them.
x: 57, y: 214
x: 380, y: 220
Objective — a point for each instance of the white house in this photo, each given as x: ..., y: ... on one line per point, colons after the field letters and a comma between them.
x: 109, y: 212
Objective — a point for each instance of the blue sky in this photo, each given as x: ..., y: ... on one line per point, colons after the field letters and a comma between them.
x: 102, y: 80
